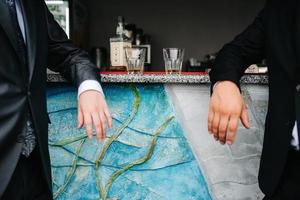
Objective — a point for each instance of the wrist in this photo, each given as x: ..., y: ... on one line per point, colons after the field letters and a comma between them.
x: 222, y: 84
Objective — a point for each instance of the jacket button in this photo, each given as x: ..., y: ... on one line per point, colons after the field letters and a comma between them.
x: 298, y: 88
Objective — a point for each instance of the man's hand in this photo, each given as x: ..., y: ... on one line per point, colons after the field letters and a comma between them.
x: 93, y: 112
x: 227, y: 106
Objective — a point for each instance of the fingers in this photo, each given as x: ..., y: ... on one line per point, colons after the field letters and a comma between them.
x: 88, y: 125
x: 232, y: 129
x: 98, y: 126
x: 215, y: 125
x: 210, y: 121
x: 108, y: 117
x: 80, y: 118
x: 245, y: 118
x: 98, y: 120
x: 223, y: 128
x: 103, y: 124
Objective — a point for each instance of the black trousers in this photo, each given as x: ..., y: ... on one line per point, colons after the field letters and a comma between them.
x: 289, y: 187
x: 28, y: 181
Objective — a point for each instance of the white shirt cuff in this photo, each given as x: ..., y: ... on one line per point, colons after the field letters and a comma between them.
x: 89, y: 85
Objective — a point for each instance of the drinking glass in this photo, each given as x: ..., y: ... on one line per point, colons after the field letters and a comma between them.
x: 135, y: 57
x: 173, y: 60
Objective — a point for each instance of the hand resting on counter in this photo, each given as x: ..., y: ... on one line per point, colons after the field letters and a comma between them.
x: 226, y: 108
x: 93, y: 112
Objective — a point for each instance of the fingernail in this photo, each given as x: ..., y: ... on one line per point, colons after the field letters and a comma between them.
x: 229, y: 142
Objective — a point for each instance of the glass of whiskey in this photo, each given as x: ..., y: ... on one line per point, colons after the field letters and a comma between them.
x: 135, y: 57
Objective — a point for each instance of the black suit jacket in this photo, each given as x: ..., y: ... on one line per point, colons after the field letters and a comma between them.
x: 274, y: 35
x: 22, y: 92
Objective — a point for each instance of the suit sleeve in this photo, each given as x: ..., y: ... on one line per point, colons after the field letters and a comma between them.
x: 71, y: 62
x: 246, y: 49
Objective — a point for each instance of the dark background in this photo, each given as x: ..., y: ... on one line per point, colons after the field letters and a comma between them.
x: 199, y: 26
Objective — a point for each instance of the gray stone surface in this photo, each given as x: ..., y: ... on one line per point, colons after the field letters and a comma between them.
x: 162, y: 78
x: 231, y: 171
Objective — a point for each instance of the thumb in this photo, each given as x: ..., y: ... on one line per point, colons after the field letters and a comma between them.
x: 245, y: 117
x: 80, y: 117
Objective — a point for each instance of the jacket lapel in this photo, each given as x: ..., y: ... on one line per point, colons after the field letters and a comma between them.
x: 6, y: 23
x: 30, y: 27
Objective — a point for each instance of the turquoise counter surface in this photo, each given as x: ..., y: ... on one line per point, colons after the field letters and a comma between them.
x: 145, y: 155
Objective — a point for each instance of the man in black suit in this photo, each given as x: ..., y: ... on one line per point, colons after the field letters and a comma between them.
x: 31, y: 41
x: 274, y: 35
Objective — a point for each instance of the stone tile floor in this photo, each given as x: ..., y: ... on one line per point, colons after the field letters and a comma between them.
x: 230, y: 171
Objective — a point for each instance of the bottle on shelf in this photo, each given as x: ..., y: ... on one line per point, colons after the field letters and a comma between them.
x: 138, y: 33
x: 117, y: 45
x: 147, y: 44
x: 138, y: 40
x: 130, y: 31
x: 143, y: 41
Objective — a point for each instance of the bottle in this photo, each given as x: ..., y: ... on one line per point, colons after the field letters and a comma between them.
x: 117, y: 47
x: 143, y: 41
x: 138, y: 40
x: 147, y: 44
x: 130, y: 31
x: 138, y: 36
